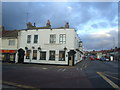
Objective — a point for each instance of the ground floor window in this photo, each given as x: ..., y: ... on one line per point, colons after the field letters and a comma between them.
x: 27, y: 54
x: 42, y: 55
x: 35, y: 54
x: 8, y: 57
x: 12, y: 57
x: 61, y: 55
x: 3, y: 57
x: 52, y: 55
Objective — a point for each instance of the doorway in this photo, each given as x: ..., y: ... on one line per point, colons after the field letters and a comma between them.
x: 21, y: 54
x: 71, y: 54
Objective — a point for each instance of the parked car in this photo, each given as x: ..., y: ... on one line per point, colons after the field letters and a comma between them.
x: 92, y: 58
x: 97, y: 58
x: 107, y: 59
x: 102, y: 59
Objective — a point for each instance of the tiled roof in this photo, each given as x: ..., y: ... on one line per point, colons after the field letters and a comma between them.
x: 10, y: 33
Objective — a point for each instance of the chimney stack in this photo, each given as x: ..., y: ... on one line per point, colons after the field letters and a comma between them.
x: 48, y: 24
x: 34, y: 24
x: 67, y: 25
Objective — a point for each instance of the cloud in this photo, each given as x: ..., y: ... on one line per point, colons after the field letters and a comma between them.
x: 104, y: 39
x: 95, y: 22
x: 94, y: 26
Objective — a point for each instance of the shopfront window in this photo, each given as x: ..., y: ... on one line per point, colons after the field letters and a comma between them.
x: 61, y: 55
x: 34, y: 54
x: 42, y: 55
x: 52, y: 55
x: 12, y: 57
x: 27, y: 54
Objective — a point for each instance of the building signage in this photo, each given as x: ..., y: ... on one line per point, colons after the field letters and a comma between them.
x: 7, y: 51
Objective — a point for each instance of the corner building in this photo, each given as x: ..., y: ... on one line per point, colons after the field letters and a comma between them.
x: 60, y: 46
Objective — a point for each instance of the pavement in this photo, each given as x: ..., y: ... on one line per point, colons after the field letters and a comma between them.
x: 86, y: 74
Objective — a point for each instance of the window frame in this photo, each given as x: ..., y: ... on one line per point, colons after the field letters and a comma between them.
x: 52, y: 38
x: 53, y: 56
x: 60, y: 58
x: 29, y: 38
x: 33, y: 57
x: 61, y: 38
x: 28, y: 51
x: 42, y: 58
x: 11, y: 43
x: 35, y: 39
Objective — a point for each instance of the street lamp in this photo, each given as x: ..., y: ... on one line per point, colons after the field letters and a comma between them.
x: 39, y: 48
x: 65, y: 48
x: 26, y: 48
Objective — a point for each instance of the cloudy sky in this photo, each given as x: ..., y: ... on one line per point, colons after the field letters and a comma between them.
x: 96, y: 22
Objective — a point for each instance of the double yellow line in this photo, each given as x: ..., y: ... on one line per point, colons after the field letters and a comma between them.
x: 109, y: 81
x: 19, y: 85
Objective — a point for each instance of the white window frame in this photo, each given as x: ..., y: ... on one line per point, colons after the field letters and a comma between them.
x: 53, y: 38
x: 11, y: 43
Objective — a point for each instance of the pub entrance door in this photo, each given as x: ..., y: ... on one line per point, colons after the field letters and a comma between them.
x: 21, y: 54
x: 71, y: 54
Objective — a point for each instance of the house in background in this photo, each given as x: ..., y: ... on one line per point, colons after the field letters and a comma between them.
x: 9, y: 45
x: 46, y: 45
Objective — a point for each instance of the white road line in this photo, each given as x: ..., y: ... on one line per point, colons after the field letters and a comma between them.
x: 109, y: 81
x: 77, y: 69
x: 44, y: 68
x: 63, y: 70
x: 59, y: 70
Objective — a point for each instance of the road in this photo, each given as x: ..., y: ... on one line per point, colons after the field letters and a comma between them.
x: 86, y: 74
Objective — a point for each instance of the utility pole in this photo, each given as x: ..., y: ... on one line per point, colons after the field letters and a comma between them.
x: 113, y: 48
x: 27, y: 12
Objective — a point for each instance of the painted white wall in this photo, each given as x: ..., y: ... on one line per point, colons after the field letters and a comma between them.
x: 0, y: 43
x: 43, y: 42
x: 6, y: 46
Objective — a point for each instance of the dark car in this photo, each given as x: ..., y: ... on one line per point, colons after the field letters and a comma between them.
x: 102, y: 59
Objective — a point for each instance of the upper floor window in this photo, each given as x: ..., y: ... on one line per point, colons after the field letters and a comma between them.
x: 62, y: 38
x: 29, y: 39
x: 52, y: 38
x: 35, y: 38
x: 11, y: 42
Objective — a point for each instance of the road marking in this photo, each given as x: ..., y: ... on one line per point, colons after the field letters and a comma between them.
x: 59, y: 70
x: 112, y: 76
x: 110, y: 73
x: 18, y: 85
x: 109, y: 81
x: 85, y: 65
x: 77, y: 69
x: 44, y: 68
x: 63, y: 70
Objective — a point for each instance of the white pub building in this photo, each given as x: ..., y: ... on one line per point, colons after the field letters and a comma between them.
x: 46, y: 45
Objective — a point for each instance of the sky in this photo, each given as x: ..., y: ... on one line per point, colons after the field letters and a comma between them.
x: 96, y: 23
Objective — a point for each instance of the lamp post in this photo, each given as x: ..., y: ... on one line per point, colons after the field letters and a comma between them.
x: 65, y: 48
x: 39, y: 48
x: 113, y: 48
